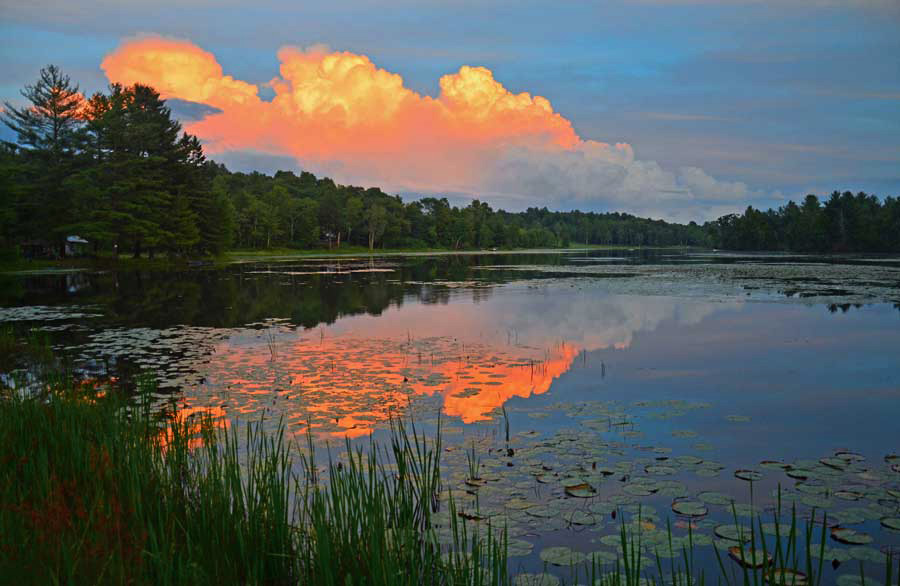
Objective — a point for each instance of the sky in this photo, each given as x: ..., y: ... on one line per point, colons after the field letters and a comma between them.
x: 675, y: 109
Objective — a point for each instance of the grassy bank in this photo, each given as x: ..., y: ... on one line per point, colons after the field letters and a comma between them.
x: 246, y: 255
x: 95, y: 489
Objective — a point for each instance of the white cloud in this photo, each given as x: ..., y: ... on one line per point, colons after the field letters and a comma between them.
x: 600, y: 176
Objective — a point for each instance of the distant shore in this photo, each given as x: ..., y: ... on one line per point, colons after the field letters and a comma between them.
x: 26, y: 266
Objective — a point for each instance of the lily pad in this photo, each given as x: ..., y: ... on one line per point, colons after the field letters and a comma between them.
x: 715, y: 498
x: 571, y: 481
x: 581, y: 518
x: 540, y: 511
x: 848, y: 495
x: 602, y: 557
x: 748, y: 475
x: 687, y: 508
x: 749, y: 558
x: 660, y: 470
x: 742, y: 510
x: 733, y: 532
x: 850, y: 536
x: 583, y: 490
x: 786, y: 576
x: 518, y: 547
x: 867, y: 554
x: 614, y: 540
x: 639, y: 489
x: 836, y: 463
x: 562, y: 556
x: 811, y: 488
x: 816, y: 501
x: 892, y: 523
x: 542, y: 579
x: 688, y: 460
x: 772, y: 464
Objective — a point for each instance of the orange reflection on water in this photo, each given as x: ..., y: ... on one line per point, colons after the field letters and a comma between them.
x: 346, y: 385
x: 478, y: 391
x: 190, y: 420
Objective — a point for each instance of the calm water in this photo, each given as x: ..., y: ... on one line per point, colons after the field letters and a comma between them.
x: 643, y: 378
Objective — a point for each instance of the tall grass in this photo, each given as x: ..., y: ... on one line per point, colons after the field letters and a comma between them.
x: 94, y: 489
x: 97, y: 489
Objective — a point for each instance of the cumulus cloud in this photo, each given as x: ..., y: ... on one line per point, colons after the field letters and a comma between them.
x: 338, y: 113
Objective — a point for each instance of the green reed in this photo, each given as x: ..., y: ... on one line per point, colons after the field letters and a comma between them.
x: 97, y: 488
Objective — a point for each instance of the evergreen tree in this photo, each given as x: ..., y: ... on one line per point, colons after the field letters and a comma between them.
x: 47, y: 130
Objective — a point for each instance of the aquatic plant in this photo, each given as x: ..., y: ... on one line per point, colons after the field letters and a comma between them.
x: 98, y: 489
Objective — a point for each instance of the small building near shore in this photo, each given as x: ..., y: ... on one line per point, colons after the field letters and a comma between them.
x: 76, y: 246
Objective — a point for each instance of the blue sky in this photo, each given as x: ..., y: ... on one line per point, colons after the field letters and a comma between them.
x: 786, y: 97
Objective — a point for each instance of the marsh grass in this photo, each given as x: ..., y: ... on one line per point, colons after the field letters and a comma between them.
x: 96, y: 488
x: 31, y: 347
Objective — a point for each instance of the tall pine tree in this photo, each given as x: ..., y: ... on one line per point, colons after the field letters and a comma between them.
x: 47, y: 129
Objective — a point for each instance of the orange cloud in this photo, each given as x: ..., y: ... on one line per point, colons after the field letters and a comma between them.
x: 338, y: 111
x: 177, y: 69
x: 339, y: 114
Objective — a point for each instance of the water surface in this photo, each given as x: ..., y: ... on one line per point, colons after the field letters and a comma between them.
x: 648, y: 377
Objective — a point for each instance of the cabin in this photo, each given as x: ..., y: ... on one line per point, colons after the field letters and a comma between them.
x: 76, y: 246
x: 42, y: 248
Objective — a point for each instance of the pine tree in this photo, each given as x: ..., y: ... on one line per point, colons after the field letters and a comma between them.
x: 47, y: 130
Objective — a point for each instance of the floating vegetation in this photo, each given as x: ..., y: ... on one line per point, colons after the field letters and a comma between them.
x: 41, y: 313
x: 750, y: 559
x: 688, y: 508
x: 748, y: 475
x: 562, y: 556
x: 850, y: 536
x: 786, y: 576
x: 733, y: 532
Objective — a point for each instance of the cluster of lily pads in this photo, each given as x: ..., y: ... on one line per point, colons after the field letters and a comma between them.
x: 564, y: 498
x: 829, y: 283
x: 46, y: 313
x: 348, y: 384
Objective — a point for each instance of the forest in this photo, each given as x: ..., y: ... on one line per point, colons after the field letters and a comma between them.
x: 843, y: 223
x: 117, y: 171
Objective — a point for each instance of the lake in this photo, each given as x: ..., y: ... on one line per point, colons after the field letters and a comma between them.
x: 661, y: 384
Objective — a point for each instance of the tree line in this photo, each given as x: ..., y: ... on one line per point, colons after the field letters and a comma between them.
x: 118, y: 171
x: 844, y: 223
x: 303, y: 211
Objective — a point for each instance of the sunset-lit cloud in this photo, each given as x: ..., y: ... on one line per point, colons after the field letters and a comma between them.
x: 339, y: 113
